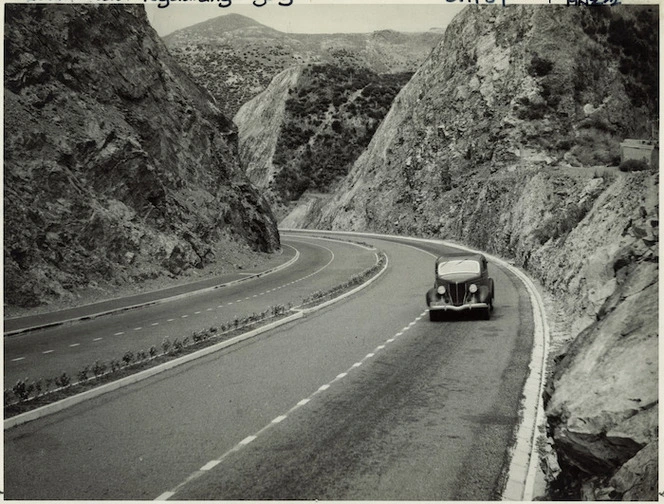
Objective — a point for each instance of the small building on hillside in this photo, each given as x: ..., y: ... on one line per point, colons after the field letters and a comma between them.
x: 640, y: 150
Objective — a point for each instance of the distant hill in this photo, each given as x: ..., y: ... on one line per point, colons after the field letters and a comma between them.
x: 235, y: 57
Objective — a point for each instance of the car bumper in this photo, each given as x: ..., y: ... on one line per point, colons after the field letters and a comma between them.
x: 464, y: 307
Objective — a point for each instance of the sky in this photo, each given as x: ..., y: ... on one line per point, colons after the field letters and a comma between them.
x: 311, y: 16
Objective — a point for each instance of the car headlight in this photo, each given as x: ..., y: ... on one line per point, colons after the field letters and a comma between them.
x: 472, y: 288
x: 441, y: 290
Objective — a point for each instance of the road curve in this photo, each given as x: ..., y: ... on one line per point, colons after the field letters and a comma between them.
x: 68, y: 348
x: 366, y: 399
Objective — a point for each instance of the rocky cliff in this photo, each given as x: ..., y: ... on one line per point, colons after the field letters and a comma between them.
x: 504, y: 140
x: 304, y: 132
x: 236, y: 57
x: 118, y: 167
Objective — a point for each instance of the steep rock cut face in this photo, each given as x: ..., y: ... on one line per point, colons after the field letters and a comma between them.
x: 304, y: 132
x: 118, y: 167
x: 236, y: 57
x: 506, y: 88
x: 507, y: 139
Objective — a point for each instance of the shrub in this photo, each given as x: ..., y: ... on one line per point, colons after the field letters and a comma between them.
x: 22, y: 390
x: 128, y: 357
x: 153, y: 351
x: 98, y: 368
x: 115, y: 365
x: 539, y: 67
x: 83, y: 374
x: 63, y: 380
x: 177, y: 346
x: 634, y: 165
x: 165, y: 345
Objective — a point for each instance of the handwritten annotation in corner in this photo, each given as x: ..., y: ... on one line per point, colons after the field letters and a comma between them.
x: 590, y: 3
x: 220, y: 3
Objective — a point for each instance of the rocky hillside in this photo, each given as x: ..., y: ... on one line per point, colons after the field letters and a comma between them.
x: 118, y: 167
x: 504, y: 140
x: 305, y: 131
x: 236, y: 57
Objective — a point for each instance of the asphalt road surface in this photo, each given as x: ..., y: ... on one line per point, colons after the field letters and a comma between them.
x: 366, y: 399
x: 69, y: 348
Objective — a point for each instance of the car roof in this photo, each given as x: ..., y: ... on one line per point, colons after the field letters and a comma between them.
x: 457, y: 256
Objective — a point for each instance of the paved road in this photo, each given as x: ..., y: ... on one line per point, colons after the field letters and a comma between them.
x: 364, y: 400
x: 69, y: 348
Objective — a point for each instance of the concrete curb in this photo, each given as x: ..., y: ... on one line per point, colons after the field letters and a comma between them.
x: 155, y: 302
x: 524, y: 460
x: 63, y: 404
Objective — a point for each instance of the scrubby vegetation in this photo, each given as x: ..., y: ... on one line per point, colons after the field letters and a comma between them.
x: 632, y: 38
x: 331, y: 116
x: 633, y: 165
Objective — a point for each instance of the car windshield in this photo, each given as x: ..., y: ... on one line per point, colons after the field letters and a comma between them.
x: 460, y: 266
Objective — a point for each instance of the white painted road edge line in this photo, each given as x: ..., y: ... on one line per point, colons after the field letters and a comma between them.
x: 520, y: 485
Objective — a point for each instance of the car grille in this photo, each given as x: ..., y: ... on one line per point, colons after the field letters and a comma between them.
x: 457, y: 293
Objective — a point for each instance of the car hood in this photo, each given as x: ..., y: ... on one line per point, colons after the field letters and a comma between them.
x: 458, y: 277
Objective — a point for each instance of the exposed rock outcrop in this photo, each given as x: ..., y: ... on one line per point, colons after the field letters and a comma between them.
x: 503, y: 140
x: 236, y: 57
x: 259, y: 124
x: 304, y: 132
x: 118, y: 167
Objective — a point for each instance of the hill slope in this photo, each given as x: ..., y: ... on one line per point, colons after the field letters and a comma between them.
x: 236, y: 57
x: 117, y: 166
x: 502, y: 140
x: 304, y: 132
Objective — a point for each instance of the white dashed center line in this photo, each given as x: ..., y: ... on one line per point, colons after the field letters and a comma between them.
x: 281, y: 418
x: 48, y: 351
x: 247, y: 440
x: 210, y: 465
x: 18, y: 359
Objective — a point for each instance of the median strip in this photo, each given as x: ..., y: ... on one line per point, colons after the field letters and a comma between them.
x: 133, y: 368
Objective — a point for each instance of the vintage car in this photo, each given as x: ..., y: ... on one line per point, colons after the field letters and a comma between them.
x: 462, y: 283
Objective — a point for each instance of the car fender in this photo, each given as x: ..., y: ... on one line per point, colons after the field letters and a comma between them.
x: 430, y: 295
